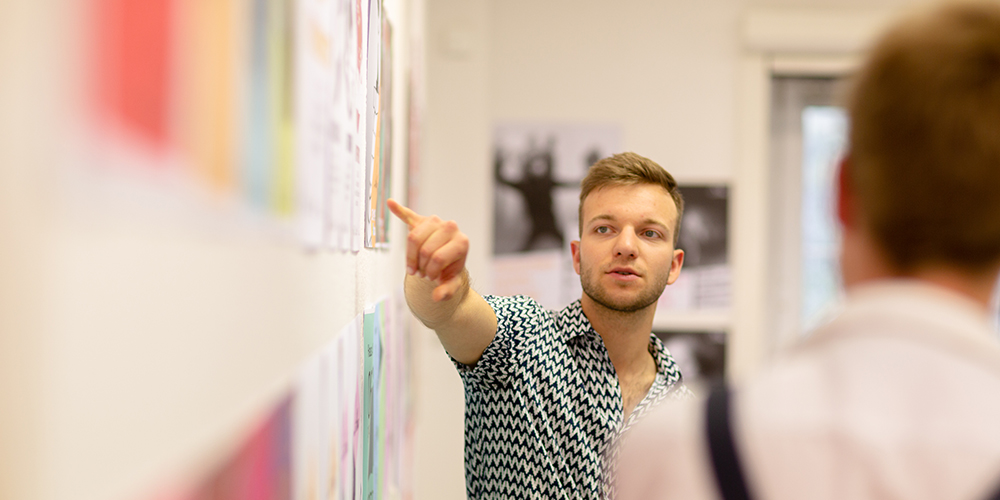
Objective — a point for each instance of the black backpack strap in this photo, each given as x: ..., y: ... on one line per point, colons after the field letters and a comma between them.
x: 728, y: 471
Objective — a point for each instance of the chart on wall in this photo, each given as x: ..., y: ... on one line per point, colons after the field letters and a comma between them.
x: 537, y: 171
x: 706, y: 277
x: 377, y: 125
x: 266, y: 105
x: 377, y: 222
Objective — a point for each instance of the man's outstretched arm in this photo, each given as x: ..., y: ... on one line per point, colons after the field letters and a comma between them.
x: 437, y: 286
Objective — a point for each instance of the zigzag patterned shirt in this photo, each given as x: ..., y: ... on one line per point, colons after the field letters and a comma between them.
x: 543, y: 407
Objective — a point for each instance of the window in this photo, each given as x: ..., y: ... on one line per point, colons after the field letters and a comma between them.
x: 808, y: 134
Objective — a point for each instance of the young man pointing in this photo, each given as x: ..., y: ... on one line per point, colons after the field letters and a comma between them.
x: 548, y: 393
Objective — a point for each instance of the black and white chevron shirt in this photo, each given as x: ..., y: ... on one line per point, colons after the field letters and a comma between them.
x: 543, y: 408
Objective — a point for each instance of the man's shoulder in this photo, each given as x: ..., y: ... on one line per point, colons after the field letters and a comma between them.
x: 524, y: 318
x: 524, y: 307
x: 665, y: 456
x: 512, y: 303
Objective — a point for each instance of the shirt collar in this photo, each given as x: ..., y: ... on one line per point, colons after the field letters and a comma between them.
x: 573, y: 323
x: 665, y: 364
x: 934, y: 314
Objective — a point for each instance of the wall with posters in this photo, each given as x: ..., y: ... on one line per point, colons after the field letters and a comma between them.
x: 188, y: 305
x: 666, y: 80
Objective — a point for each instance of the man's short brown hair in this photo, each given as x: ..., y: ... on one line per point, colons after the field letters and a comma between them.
x: 925, y: 138
x: 626, y: 169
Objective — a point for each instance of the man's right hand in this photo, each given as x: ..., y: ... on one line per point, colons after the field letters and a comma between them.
x: 444, y: 301
x: 435, y: 250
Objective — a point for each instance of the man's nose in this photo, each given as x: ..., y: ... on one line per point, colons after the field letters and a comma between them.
x: 625, y: 244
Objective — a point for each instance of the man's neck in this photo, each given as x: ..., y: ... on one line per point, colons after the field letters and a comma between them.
x: 625, y: 335
x: 863, y: 262
x: 975, y: 286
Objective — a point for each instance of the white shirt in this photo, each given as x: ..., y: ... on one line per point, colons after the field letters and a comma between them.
x: 898, y: 397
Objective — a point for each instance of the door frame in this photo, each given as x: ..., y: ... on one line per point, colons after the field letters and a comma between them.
x: 776, y: 42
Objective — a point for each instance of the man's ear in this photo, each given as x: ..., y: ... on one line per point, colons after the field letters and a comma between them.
x: 846, y: 209
x: 574, y: 246
x: 675, y: 266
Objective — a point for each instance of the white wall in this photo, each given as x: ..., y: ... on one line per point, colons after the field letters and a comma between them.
x: 143, y: 330
x: 662, y: 71
x: 453, y: 186
x: 20, y: 355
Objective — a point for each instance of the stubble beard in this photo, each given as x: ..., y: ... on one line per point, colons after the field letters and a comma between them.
x: 593, y: 289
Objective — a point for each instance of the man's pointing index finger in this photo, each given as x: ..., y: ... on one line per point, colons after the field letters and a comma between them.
x: 406, y: 215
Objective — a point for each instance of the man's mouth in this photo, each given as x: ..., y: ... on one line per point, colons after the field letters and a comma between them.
x: 620, y: 271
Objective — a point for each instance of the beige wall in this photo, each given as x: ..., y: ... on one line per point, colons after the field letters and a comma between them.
x: 143, y: 329
x: 23, y: 209
x: 453, y: 186
x: 662, y: 71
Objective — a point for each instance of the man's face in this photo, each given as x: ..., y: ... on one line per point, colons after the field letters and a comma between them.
x: 626, y: 255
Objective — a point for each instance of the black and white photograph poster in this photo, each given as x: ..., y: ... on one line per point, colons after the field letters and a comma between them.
x: 537, y: 172
x: 706, y: 278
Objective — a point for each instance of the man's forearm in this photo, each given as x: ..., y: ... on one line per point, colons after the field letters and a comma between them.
x: 433, y: 314
x: 465, y: 323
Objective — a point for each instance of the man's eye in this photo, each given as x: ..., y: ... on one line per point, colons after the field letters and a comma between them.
x: 649, y: 233
x: 602, y: 229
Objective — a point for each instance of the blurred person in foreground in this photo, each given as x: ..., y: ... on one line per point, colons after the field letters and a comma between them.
x: 549, y: 393
x: 899, y: 396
